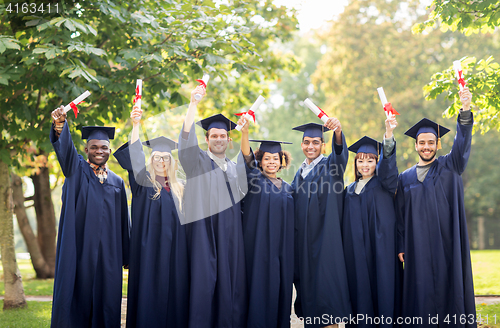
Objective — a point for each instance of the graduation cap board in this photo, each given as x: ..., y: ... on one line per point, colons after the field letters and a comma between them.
x: 312, y: 130
x: 98, y: 132
x: 366, y: 145
x: 427, y: 126
x: 271, y: 146
x: 161, y: 144
x: 218, y: 121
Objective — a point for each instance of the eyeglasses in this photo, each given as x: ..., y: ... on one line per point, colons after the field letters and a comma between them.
x: 158, y: 158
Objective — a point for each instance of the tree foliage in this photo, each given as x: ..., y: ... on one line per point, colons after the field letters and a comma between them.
x: 482, y: 75
x: 103, y: 46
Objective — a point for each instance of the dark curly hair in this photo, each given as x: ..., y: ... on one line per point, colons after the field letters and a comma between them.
x: 288, y: 158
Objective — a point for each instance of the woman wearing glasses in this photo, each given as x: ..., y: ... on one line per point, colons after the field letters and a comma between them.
x: 158, y: 286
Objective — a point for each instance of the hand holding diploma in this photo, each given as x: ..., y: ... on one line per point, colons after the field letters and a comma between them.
x: 244, y: 123
x: 390, y: 125
x: 197, y: 94
x: 250, y: 115
x: 389, y: 110
x: 136, y: 114
x: 465, y: 98
x: 203, y: 82
x: 77, y: 101
x: 59, y: 115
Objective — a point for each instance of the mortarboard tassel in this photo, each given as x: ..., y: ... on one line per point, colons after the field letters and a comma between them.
x: 323, y: 148
x: 231, y: 143
x: 283, y: 160
x: 439, y: 140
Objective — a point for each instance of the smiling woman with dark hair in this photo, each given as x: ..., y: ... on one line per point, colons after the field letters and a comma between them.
x: 268, y: 229
x: 369, y: 230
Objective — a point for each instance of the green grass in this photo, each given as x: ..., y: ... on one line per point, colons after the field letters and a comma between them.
x: 486, y: 270
x: 489, y: 315
x: 37, y: 314
x: 42, y: 287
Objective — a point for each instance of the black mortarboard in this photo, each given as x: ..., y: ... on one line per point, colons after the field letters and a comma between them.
x: 98, y: 132
x: 218, y: 121
x: 427, y: 126
x: 271, y: 146
x: 312, y: 130
x: 161, y: 144
x: 366, y: 145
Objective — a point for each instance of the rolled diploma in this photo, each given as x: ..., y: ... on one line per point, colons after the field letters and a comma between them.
x: 384, y: 101
x: 205, y: 79
x: 139, y: 85
x: 252, y: 109
x: 78, y: 100
x: 316, y: 111
x: 457, y: 65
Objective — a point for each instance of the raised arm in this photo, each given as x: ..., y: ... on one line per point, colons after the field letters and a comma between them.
x: 62, y: 142
x: 245, y: 144
x: 387, y: 169
x: 339, y: 154
x: 458, y: 157
x: 189, y: 121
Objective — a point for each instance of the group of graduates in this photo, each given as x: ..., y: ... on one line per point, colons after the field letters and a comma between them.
x: 225, y: 247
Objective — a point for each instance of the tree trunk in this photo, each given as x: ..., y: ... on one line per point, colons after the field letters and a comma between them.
x: 41, y: 267
x: 14, y: 292
x: 481, y: 233
x: 45, y: 217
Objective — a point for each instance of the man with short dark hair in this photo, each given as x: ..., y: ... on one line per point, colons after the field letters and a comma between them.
x: 432, y: 228
x: 320, y: 271
x: 93, y: 238
x: 214, y: 188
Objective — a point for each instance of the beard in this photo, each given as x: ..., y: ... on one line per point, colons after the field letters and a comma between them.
x: 429, y: 159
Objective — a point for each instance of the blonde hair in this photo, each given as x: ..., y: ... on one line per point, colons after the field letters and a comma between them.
x: 176, y: 187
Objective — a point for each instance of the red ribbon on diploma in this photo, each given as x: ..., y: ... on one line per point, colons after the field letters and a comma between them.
x: 250, y: 112
x: 321, y: 113
x: 137, y: 95
x: 202, y: 83
x: 388, y: 108
x: 75, y: 109
x: 461, y: 80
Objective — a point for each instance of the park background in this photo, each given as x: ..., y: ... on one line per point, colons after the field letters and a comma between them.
x: 336, y: 53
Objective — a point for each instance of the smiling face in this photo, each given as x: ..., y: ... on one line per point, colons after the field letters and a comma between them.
x: 426, y: 146
x: 217, y: 141
x: 98, y: 151
x: 311, y: 147
x: 161, y: 162
x: 270, y: 163
x: 365, y: 165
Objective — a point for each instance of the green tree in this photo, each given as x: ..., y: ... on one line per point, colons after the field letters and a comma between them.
x: 483, y: 75
x: 49, y: 58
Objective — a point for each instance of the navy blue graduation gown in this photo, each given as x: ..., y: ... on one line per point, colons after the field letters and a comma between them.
x: 92, y: 243
x: 432, y: 232
x: 218, y: 296
x: 268, y: 229
x: 369, y: 236
x: 158, y: 282
x: 320, y: 272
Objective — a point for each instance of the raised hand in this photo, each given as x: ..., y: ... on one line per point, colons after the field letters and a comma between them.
x: 59, y: 115
x: 390, y: 125
x: 136, y: 114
